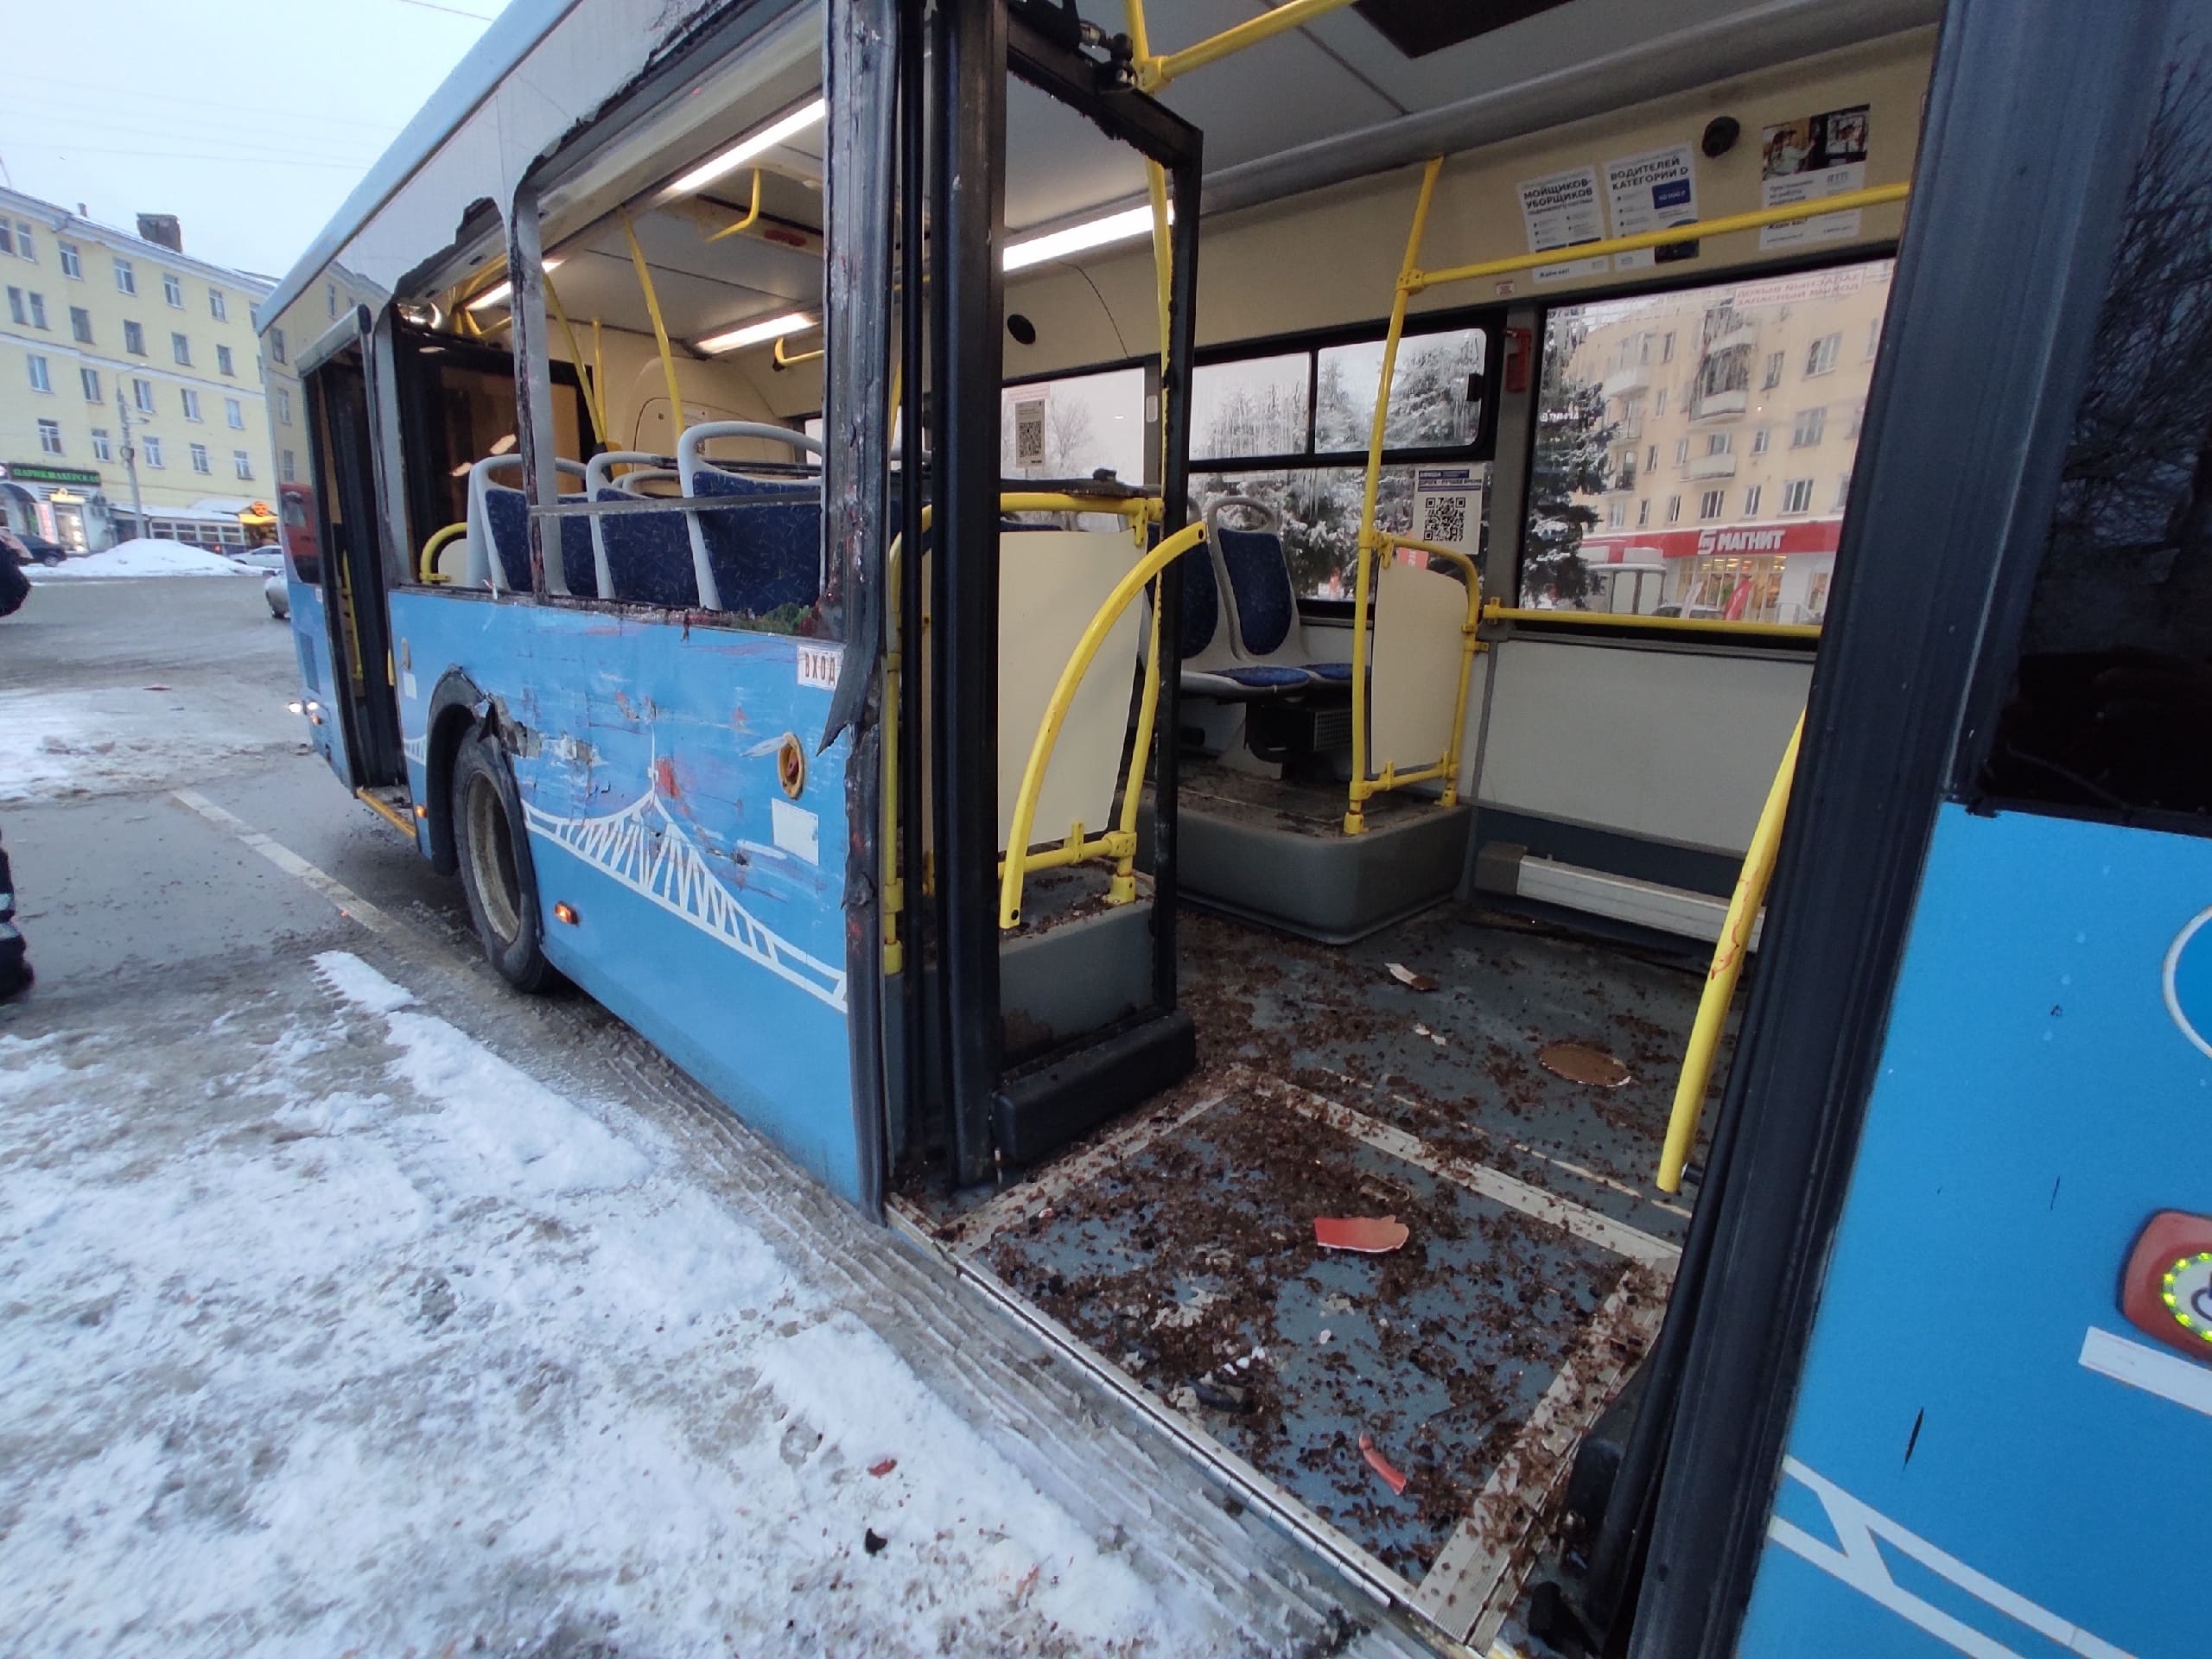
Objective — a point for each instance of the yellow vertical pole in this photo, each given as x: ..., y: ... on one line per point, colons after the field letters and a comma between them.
x: 594, y: 399
x: 660, y: 332
x: 1363, y: 557
x: 1728, y: 954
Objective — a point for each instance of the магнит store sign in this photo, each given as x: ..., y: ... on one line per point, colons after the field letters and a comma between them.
x: 1640, y: 547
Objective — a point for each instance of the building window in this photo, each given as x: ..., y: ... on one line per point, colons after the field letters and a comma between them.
x: 71, y: 264
x: 223, y: 360
x: 284, y: 465
x: 218, y: 307
x: 1843, y: 490
x: 1667, y: 347
x: 1751, y: 500
x: 80, y: 324
x: 1858, y: 420
x: 102, y: 450
x: 1797, y: 495
x: 1760, y: 439
x: 23, y: 240
x: 134, y: 338
x: 15, y: 312
x: 173, y: 290
x: 191, y: 402
x: 1810, y: 425
x: 1708, y: 504
x: 126, y: 280
x: 7, y: 238
x: 1616, y: 516
x: 284, y: 404
x: 1681, y: 451
x: 1820, y: 358
x: 1773, y: 371
x: 276, y: 345
x: 38, y: 310
x: 234, y: 414
x: 1659, y: 403
x: 142, y: 395
x: 39, y: 379
x: 152, y: 449
x: 1651, y: 458
x: 1720, y: 443
x: 1874, y: 337
x: 181, y: 348
x: 242, y: 463
x: 1644, y: 512
x: 1674, y: 509
x: 199, y: 457
x: 49, y: 437
x: 89, y: 380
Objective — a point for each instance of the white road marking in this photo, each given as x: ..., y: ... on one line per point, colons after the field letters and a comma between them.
x: 349, y: 903
x: 2151, y: 1369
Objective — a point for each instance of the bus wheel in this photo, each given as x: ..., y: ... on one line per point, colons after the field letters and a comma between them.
x: 495, y: 867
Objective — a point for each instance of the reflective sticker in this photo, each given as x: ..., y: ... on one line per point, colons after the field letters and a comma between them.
x: 797, y: 831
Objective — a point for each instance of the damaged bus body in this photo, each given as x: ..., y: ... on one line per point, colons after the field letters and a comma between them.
x: 1175, y: 650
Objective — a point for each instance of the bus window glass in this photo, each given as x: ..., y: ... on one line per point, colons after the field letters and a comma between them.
x: 1074, y: 427
x: 1319, y: 510
x: 1435, y: 393
x: 1252, y: 407
x: 1720, y: 472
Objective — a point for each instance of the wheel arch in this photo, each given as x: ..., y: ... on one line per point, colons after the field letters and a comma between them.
x: 457, y: 708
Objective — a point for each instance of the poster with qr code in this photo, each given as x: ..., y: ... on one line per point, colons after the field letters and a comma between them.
x: 1448, y: 508
x: 1804, y: 160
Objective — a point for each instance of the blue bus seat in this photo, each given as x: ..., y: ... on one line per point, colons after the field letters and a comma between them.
x: 506, y: 513
x: 648, y: 556
x: 768, y: 553
x: 1262, y: 605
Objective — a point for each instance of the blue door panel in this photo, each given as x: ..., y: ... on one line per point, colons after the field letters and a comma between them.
x: 708, y: 899
x: 320, y: 691
x: 1965, y: 1472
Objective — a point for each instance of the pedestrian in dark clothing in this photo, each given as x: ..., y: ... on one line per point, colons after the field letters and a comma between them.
x: 14, y: 585
x: 14, y: 956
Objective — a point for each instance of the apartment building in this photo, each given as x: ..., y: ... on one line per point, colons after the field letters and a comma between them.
x: 1732, y: 414
x: 112, y: 342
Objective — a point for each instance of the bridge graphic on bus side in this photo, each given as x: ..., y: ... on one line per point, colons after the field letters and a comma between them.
x: 644, y: 848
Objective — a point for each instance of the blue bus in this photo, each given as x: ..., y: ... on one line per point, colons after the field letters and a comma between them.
x: 1030, y: 592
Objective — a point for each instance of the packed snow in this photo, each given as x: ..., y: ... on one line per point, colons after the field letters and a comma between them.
x: 144, y: 555
x: 61, y: 744
x: 442, y: 1361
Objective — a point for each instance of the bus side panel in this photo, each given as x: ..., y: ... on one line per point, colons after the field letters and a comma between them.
x: 1985, y: 1456
x: 318, y: 688
x: 676, y: 807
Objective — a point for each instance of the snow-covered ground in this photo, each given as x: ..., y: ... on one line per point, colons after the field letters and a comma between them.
x: 145, y: 556
x: 59, y: 743
x: 443, y: 1362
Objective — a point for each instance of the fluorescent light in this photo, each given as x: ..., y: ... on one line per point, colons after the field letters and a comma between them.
x: 497, y: 294
x: 746, y: 148
x: 1093, y: 233
x: 753, y: 334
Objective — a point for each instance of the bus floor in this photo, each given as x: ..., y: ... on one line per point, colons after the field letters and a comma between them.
x: 1177, y: 1246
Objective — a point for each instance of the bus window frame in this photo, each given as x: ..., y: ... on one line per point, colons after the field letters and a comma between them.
x: 1707, y: 641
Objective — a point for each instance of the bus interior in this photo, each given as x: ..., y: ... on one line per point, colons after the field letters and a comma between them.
x: 1313, y: 1084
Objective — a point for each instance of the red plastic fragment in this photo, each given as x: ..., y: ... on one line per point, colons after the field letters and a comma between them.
x: 1370, y: 1235
x: 880, y: 1470
x: 1381, y: 1464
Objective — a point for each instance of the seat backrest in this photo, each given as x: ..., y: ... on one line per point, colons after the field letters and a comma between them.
x: 1262, y: 605
x: 648, y: 556
x: 598, y: 484
x: 766, y: 553
x: 714, y: 536
x: 498, y: 530
x: 1201, y: 602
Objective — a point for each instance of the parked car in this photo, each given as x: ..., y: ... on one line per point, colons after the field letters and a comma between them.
x: 31, y: 546
x: 268, y: 559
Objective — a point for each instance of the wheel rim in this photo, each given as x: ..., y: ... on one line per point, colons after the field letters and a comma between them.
x: 491, y: 859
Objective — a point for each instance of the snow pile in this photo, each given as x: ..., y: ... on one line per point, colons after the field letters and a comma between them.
x: 143, y: 555
x: 56, y: 745
x: 453, y: 1367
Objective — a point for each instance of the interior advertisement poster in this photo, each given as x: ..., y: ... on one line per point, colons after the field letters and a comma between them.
x: 1805, y: 159
x: 1650, y: 192
x: 1561, y: 210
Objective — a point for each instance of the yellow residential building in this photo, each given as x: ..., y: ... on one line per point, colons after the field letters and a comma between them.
x: 117, y: 347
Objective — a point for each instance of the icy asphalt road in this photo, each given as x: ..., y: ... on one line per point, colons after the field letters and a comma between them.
x: 353, y: 1305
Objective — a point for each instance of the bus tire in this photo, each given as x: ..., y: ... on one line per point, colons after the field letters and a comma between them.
x: 496, y: 870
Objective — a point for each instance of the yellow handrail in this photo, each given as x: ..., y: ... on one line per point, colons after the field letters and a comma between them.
x: 1056, y: 711
x: 752, y: 214
x: 793, y: 359
x: 1498, y: 611
x: 1152, y: 73
x: 1875, y: 196
x: 595, y: 394
x: 660, y: 328
x: 1471, y: 642
x: 1728, y: 954
x: 1364, y: 555
x: 427, y: 567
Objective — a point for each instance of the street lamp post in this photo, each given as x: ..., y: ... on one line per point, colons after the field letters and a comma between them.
x: 130, y: 457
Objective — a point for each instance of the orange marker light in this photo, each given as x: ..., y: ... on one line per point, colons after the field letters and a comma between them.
x: 565, y: 912
x: 422, y: 811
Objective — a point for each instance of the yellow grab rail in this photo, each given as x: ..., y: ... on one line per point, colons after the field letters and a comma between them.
x: 793, y: 359
x: 1152, y: 73
x: 660, y: 328
x: 427, y: 566
x: 1875, y: 196
x: 595, y: 394
x: 1728, y: 954
x: 752, y: 214
x: 1019, y: 861
x: 1498, y: 611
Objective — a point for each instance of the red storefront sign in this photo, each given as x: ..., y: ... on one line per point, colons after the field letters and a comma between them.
x: 1781, y: 537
